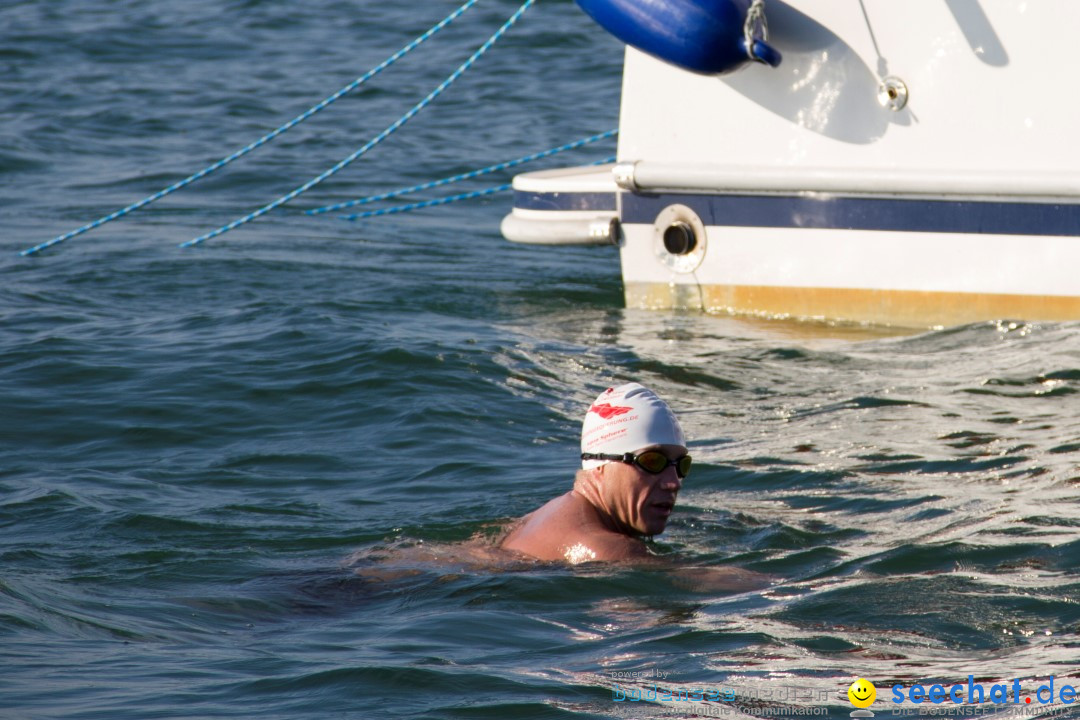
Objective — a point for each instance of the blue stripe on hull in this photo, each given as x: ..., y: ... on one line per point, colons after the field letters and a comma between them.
x: 848, y: 213
x: 599, y: 201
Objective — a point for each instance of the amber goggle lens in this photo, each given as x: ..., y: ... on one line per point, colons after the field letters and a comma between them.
x: 656, y: 462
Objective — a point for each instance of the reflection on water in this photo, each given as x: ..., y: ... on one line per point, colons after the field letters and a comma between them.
x: 916, y: 494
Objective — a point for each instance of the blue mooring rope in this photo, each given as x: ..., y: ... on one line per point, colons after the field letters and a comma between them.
x: 261, y: 141
x: 428, y: 203
x: 378, y: 139
x: 464, y: 176
x: 441, y: 201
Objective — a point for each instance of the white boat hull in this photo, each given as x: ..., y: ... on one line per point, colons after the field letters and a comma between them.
x: 819, y: 195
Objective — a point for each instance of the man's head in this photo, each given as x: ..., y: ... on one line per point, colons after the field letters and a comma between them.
x: 633, y: 445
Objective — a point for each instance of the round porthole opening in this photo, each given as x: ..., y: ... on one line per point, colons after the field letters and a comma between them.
x: 679, y: 238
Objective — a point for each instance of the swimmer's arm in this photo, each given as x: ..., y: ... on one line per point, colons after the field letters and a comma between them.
x: 720, y: 579
x: 701, y: 579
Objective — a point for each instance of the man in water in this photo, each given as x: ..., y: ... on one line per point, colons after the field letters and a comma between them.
x: 634, y: 459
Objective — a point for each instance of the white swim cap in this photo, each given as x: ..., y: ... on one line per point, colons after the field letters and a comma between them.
x: 625, y: 419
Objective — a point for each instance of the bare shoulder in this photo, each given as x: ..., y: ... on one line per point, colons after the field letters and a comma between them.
x: 538, y: 534
x: 567, y: 529
x: 607, y: 546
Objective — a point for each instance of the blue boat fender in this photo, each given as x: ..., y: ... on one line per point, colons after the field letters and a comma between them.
x: 703, y: 36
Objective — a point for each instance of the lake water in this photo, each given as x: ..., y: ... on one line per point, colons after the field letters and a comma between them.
x: 194, y: 442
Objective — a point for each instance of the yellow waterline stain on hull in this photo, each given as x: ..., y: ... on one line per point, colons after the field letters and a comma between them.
x: 905, y: 308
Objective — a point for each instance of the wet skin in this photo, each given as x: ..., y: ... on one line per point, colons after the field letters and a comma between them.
x: 604, y: 517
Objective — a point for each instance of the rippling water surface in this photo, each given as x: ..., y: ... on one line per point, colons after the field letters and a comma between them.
x: 193, y: 443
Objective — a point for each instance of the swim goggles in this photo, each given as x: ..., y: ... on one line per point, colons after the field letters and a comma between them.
x: 651, y: 461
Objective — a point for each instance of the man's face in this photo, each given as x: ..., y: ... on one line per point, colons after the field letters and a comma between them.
x: 639, y: 499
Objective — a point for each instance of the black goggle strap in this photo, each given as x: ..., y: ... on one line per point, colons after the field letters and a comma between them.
x: 682, y: 465
x: 627, y: 458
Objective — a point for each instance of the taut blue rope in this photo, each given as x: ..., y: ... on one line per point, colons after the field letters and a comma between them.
x: 261, y: 141
x: 428, y: 203
x: 378, y: 139
x: 444, y: 201
x: 464, y: 176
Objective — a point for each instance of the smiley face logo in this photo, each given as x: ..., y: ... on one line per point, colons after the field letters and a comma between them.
x: 862, y: 693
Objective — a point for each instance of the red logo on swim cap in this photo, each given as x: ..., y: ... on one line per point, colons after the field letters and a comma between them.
x: 607, y: 410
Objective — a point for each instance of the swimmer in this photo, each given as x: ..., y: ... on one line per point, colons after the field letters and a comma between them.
x: 634, y: 459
